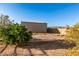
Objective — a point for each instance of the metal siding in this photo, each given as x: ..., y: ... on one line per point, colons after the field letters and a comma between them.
x: 35, y: 27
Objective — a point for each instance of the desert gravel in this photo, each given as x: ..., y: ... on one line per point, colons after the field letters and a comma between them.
x: 41, y: 45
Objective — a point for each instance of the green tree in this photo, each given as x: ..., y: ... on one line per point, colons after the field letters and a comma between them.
x: 15, y: 34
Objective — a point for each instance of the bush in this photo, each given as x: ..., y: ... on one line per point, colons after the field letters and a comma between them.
x: 73, y: 52
x: 15, y: 34
x: 72, y: 34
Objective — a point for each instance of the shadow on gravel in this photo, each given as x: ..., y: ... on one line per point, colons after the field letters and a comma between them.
x: 48, y: 45
x: 15, y: 53
x: 42, y: 46
x: 3, y: 49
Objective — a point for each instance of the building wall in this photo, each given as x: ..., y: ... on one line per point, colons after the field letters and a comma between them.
x: 35, y: 27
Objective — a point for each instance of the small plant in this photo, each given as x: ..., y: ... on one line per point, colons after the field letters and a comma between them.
x: 15, y: 34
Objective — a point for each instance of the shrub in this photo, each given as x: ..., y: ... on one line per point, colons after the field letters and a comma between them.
x: 73, y: 52
x: 72, y: 34
x: 15, y: 34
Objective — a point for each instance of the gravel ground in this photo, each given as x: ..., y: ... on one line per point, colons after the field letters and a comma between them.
x: 40, y: 45
x: 46, y: 37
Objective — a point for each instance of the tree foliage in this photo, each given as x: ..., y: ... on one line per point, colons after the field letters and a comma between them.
x: 15, y: 33
x: 4, y: 20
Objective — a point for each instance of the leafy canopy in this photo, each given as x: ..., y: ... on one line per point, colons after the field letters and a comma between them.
x: 15, y: 33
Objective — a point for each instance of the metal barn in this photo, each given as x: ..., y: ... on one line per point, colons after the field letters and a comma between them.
x: 35, y: 27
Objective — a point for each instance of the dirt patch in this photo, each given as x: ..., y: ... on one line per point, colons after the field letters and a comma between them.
x: 40, y: 45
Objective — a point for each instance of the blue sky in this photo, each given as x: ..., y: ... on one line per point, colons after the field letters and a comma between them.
x: 51, y: 13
